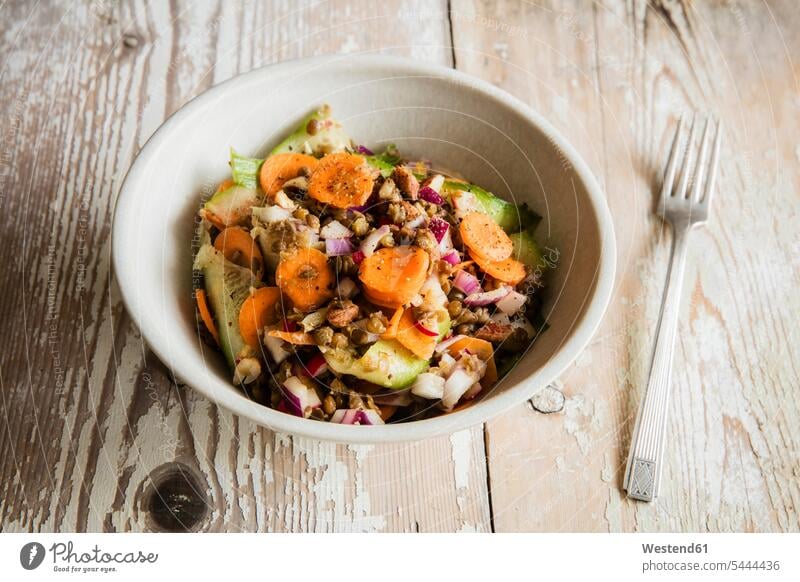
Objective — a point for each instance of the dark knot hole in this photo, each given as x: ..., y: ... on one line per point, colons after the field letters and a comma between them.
x: 175, y: 500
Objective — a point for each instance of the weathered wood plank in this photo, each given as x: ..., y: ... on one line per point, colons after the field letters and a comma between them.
x: 613, y: 77
x: 89, y: 415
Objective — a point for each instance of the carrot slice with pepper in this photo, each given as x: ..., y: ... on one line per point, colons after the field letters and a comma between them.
x: 393, y: 275
x: 280, y: 168
x: 509, y: 271
x: 306, y: 279
x: 481, y: 348
x: 394, y: 324
x: 239, y: 247
x: 298, y: 338
x: 205, y: 313
x: 257, y: 311
x: 484, y: 237
x: 409, y: 335
x: 342, y: 180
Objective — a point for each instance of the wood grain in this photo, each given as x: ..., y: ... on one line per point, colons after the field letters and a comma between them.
x: 92, y: 422
x: 614, y: 78
x: 94, y: 430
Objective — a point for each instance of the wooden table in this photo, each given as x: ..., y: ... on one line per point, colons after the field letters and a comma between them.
x: 93, y: 428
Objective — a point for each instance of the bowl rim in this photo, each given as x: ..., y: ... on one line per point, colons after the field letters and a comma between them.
x: 583, y: 329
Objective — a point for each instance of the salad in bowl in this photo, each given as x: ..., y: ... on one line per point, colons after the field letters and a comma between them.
x: 353, y: 287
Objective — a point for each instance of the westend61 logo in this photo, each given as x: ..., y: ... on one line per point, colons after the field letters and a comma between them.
x: 66, y: 559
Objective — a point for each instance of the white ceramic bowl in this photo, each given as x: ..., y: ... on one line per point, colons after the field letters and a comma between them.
x: 430, y: 112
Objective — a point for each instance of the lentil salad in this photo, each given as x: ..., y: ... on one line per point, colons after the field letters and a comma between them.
x: 360, y: 288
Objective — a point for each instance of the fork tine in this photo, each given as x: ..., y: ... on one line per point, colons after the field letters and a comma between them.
x: 672, y: 164
x: 712, y: 167
x: 702, y: 164
x: 688, y: 160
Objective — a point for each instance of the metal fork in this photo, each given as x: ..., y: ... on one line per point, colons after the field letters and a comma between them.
x: 683, y: 209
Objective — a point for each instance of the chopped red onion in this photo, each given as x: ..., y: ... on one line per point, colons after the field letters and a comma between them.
x: 317, y: 366
x: 346, y: 287
x: 464, y: 203
x: 363, y: 208
x: 353, y: 416
x: 435, y: 183
x: 416, y: 223
x: 275, y: 348
x: 486, y: 298
x: 298, y: 396
x: 338, y: 247
x: 335, y: 229
x: 466, y: 282
x: 446, y: 244
x: 358, y: 256
x: 512, y: 303
x: 364, y: 150
x: 271, y: 213
x: 289, y: 325
x: 452, y: 257
x: 370, y: 243
x: 428, y: 386
x: 439, y: 228
x: 456, y: 385
x: 474, y: 390
x: 428, y: 194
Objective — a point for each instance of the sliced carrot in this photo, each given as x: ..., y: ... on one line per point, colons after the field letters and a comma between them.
x: 481, y: 348
x: 212, y: 218
x: 205, y: 314
x: 387, y: 411
x: 280, y: 168
x: 394, y: 275
x: 239, y: 247
x: 298, y: 338
x: 509, y: 271
x: 257, y: 311
x: 342, y: 180
x: 484, y: 237
x: 394, y: 324
x: 409, y: 335
x: 306, y: 279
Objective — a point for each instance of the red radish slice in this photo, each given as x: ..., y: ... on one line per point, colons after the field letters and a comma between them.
x: 425, y: 330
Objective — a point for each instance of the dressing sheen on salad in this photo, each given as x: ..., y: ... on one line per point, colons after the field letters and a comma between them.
x: 359, y: 288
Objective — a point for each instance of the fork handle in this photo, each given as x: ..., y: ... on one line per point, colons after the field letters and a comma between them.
x: 646, y: 455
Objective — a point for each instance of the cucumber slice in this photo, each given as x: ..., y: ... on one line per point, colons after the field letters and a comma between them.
x: 328, y: 136
x: 227, y: 286
x: 510, y: 217
x: 527, y: 250
x: 232, y: 205
x: 387, y: 363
